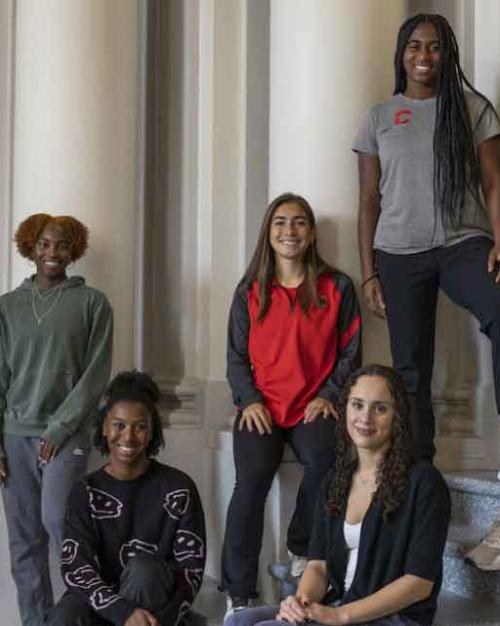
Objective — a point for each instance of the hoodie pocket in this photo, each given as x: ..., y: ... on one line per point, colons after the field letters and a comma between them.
x: 38, y: 394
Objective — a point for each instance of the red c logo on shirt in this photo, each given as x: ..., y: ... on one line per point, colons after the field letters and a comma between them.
x: 403, y: 116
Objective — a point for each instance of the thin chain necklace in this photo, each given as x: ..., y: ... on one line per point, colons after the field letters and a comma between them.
x: 39, y: 317
x: 366, y: 480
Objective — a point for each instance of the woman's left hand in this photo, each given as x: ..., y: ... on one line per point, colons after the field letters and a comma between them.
x: 494, y: 263
x: 46, y: 452
x: 319, y: 406
x: 330, y: 615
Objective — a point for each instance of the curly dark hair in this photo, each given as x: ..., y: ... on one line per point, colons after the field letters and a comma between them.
x: 262, y: 264
x: 29, y: 230
x: 131, y: 386
x: 392, y: 473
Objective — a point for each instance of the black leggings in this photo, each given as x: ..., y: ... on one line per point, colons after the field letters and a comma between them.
x: 410, y: 284
x: 257, y: 458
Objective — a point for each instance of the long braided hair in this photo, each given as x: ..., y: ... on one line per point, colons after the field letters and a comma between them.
x: 456, y: 165
x: 392, y: 473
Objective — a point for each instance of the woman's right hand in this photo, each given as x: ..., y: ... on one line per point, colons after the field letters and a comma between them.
x: 3, y: 472
x: 374, y: 298
x: 292, y: 609
x: 256, y: 416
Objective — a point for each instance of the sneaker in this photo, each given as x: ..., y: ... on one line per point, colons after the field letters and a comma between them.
x: 279, y: 571
x: 487, y: 554
x: 235, y: 604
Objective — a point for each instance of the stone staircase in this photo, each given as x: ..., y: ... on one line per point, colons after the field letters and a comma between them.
x: 469, y: 595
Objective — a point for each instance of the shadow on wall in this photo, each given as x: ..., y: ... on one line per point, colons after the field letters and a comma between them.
x: 164, y: 180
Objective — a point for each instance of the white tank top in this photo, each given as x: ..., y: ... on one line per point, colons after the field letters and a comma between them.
x: 352, y: 534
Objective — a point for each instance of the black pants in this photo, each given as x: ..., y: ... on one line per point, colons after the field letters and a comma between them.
x: 257, y: 458
x: 410, y: 284
x: 148, y: 582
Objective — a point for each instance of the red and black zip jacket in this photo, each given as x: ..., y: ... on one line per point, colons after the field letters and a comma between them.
x: 290, y: 357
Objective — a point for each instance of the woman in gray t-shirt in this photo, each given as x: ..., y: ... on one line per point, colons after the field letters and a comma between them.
x: 429, y: 216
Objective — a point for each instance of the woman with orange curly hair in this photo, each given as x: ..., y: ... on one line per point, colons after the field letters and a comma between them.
x: 55, y: 357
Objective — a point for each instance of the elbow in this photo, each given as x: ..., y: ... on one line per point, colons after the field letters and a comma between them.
x: 369, y: 204
x: 423, y: 589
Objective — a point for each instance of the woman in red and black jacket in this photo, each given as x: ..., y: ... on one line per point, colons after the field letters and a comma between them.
x: 294, y: 338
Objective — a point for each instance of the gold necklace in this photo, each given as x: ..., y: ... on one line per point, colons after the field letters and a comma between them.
x: 35, y: 291
x: 366, y: 480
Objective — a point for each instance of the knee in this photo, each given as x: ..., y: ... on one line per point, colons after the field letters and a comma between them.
x: 146, y: 571
x: 71, y: 610
x: 492, y: 329
x: 247, y: 617
x: 251, y: 617
x: 62, y: 616
x: 255, y: 477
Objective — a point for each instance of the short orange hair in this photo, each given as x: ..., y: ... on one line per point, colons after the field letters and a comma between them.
x: 29, y: 230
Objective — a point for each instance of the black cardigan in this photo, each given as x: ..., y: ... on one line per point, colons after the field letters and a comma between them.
x: 410, y: 542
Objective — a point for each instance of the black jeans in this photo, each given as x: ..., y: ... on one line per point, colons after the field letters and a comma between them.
x: 257, y: 458
x: 147, y: 581
x: 410, y: 283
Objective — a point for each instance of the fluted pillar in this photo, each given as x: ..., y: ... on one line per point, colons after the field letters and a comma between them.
x: 75, y: 124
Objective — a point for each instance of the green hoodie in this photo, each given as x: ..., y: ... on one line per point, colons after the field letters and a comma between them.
x: 52, y: 373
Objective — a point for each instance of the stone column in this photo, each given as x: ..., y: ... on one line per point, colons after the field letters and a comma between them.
x: 7, y: 12
x: 75, y: 125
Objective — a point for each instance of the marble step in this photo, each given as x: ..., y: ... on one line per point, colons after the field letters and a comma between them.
x: 464, y: 578
x: 455, y: 610
x: 475, y: 497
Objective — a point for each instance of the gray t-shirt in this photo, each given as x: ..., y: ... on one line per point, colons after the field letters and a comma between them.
x: 400, y: 132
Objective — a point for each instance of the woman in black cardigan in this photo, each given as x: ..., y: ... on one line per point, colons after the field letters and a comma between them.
x: 381, y: 522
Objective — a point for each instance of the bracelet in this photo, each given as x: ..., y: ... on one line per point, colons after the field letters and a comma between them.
x: 365, y: 282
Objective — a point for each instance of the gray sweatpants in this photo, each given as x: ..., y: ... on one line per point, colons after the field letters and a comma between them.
x: 34, y: 501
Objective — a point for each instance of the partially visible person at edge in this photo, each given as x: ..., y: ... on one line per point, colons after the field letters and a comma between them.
x: 294, y: 338
x: 380, y: 526
x: 134, y: 542
x: 55, y: 358
x: 429, y: 211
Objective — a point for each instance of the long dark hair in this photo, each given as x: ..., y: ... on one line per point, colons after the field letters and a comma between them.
x: 262, y: 266
x: 456, y: 165
x: 131, y: 386
x: 392, y: 473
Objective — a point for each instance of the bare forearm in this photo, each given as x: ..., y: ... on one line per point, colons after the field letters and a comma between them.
x: 493, y: 208
x: 489, y: 162
x: 369, y: 211
x: 389, y: 600
x: 314, y: 582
